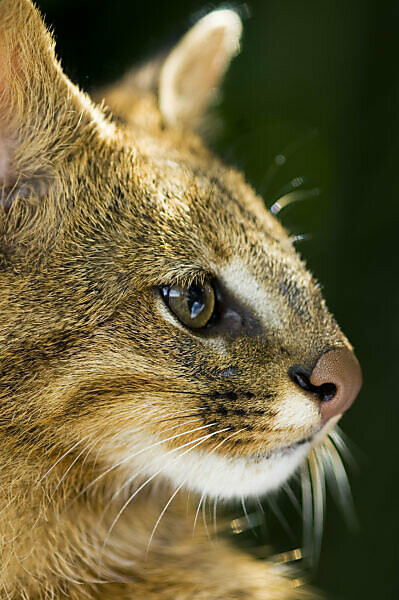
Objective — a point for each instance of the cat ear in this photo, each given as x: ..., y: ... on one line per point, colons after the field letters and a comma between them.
x: 39, y: 107
x: 193, y: 71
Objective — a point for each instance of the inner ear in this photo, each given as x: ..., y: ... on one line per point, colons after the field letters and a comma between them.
x: 193, y: 71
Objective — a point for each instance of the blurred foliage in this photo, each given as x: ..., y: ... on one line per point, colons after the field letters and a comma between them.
x: 317, y: 81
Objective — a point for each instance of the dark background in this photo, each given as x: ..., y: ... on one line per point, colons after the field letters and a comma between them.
x: 317, y: 81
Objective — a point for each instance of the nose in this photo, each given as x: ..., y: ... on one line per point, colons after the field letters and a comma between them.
x: 335, y: 380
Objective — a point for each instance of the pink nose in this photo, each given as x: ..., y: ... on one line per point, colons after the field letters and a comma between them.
x: 336, y: 380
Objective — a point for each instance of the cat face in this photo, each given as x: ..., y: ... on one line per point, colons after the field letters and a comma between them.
x: 220, y: 388
x: 155, y: 308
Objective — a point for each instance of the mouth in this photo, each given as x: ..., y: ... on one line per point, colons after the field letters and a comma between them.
x: 284, y: 450
x: 228, y: 477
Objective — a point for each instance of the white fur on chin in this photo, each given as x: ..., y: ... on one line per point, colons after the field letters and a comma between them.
x: 212, y: 474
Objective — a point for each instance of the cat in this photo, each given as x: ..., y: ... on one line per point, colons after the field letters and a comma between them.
x: 160, y: 336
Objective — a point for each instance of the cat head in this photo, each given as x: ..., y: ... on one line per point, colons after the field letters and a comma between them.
x: 157, y: 318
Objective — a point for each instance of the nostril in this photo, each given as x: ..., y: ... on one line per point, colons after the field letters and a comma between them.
x: 301, y: 377
x: 326, y: 391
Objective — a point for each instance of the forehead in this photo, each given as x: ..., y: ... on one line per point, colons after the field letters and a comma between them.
x: 183, y: 177
x: 169, y: 215
x: 199, y: 205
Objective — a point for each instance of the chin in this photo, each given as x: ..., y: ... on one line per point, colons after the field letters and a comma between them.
x: 227, y: 478
x: 220, y: 476
x: 223, y: 477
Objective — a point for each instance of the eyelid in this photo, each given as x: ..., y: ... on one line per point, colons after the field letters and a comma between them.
x: 198, y: 276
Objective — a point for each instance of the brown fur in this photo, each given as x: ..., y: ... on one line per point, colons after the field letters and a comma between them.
x: 95, y: 213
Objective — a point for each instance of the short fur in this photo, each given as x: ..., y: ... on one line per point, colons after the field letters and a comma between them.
x: 97, y: 212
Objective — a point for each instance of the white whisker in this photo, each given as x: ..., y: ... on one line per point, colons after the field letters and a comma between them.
x: 62, y: 457
x: 244, y: 509
x: 209, y: 454
x: 291, y: 495
x: 339, y: 482
x: 261, y: 516
x: 141, y: 451
x: 259, y: 503
x: 292, y: 197
x: 129, y: 481
x: 277, y: 512
x: 281, y: 158
x: 215, y: 505
x: 318, y: 488
x: 300, y: 237
x: 179, y: 412
x: 198, y: 509
x: 85, y: 449
x: 204, y: 519
x: 143, y: 485
x: 181, y: 424
x: 340, y: 440
x: 165, y: 508
x: 307, y: 510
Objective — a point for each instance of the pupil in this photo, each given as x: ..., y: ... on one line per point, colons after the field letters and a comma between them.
x: 195, y: 300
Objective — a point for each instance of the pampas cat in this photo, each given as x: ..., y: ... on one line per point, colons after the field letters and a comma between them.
x: 159, y: 333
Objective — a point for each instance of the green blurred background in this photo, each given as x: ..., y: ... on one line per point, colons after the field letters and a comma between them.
x: 318, y: 82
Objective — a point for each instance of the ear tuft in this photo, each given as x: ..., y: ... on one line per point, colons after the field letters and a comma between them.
x: 194, y: 69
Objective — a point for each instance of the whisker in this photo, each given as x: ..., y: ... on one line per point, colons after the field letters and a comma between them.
x: 226, y: 439
x: 341, y: 442
x: 129, y: 481
x: 211, y: 452
x: 307, y: 510
x: 261, y: 517
x: 294, y: 184
x: 143, y: 485
x: 251, y: 523
x: 165, y: 508
x: 180, y: 424
x: 215, y: 504
x: 291, y: 495
x: 300, y: 237
x: 259, y: 503
x: 280, y: 159
x: 84, y: 438
x: 291, y: 198
x: 85, y: 449
x: 173, y: 417
x: 141, y: 451
x: 62, y: 457
x: 244, y: 508
x: 277, y: 512
x: 318, y: 487
x: 198, y: 509
x: 338, y: 479
x: 204, y: 520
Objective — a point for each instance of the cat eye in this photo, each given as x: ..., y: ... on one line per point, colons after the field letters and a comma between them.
x: 193, y: 305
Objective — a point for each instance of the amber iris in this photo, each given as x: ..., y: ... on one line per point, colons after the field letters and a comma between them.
x: 193, y: 305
